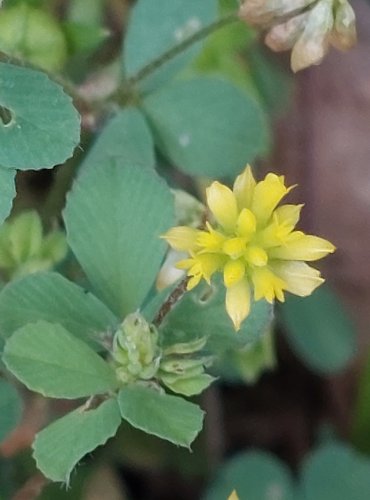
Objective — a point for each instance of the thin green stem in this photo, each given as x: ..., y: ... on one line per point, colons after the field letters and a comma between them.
x: 182, y: 46
x: 127, y: 88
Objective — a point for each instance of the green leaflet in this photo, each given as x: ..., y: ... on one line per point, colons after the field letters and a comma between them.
x: 11, y: 407
x: 43, y: 127
x: 59, y: 447
x: 256, y: 475
x: 207, y: 126
x: 168, y: 417
x: 151, y: 33
x: 202, y: 313
x: 114, y: 216
x: 50, y: 297
x: 49, y: 360
x: 125, y: 139
x: 319, y: 330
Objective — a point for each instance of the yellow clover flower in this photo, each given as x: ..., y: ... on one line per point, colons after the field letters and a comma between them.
x: 253, y: 243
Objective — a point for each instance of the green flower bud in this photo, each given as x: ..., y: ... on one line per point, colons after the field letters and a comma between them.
x: 188, y: 210
x: 308, y: 27
x: 24, y: 249
x: 135, y: 349
x: 34, y: 35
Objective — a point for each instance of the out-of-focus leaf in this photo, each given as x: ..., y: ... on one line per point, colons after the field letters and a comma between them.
x: 43, y: 126
x: 202, y: 312
x: 254, y: 475
x: 361, y: 412
x: 319, y: 330
x: 155, y: 27
x: 11, y: 407
x: 248, y: 363
x: 7, y: 192
x: 335, y: 472
x: 34, y: 35
x: 207, y: 126
x: 273, y: 84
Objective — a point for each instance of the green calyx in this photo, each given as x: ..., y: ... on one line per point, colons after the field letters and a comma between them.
x: 182, y: 368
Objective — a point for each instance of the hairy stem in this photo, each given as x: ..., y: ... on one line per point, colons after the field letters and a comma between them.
x: 174, y: 297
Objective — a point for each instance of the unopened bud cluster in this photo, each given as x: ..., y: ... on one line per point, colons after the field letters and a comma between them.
x: 24, y: 249
x: 135, y: 350
x: 138, y: 357
x: 307, y: 27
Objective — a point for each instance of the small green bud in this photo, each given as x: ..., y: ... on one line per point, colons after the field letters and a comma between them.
x: 135, y: 349
x: 188, y: 210
x: 24, y: 249
x: 34, y: 35
x: 25, y: 236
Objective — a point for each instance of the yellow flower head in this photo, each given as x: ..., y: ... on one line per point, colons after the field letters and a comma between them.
x: 253, y: 242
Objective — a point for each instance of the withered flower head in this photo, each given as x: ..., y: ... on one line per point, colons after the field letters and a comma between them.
x: 307, y: 27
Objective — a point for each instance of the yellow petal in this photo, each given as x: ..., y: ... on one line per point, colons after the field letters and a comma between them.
x: 234, y: 247
x: 300, y: 246
x: 274, y: 234
x: 288, y: 214
x: 210, y: 240
x: 233, y: 496
x: 300, y: 278
x: 267, y: 194
x: 193, y: 281
x: 238, y: 302
x: 246, y: 224
x: 256, y: 256
x: 267, y: 285
x: 185, y: 263
x: 234, y: 271
x: 222, y: 203
x: 182, y: 238
x: 244, y: 187
x: 210, y: 263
